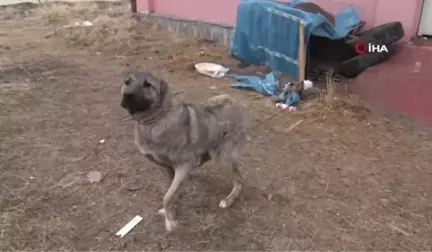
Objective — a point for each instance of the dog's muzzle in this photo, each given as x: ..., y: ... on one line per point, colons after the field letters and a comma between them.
x: 133, y: 104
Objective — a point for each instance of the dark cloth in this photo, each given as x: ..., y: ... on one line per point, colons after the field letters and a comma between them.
x: 314, y: 8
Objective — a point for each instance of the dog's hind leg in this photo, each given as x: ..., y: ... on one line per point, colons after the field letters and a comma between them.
x: 237, y: 179
x: 180, y: 177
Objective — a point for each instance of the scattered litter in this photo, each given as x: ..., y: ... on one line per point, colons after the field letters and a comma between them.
x: 211, y: 69
x: 94, y: 176
x: 128, y: 227
x: 87, y: 24
x: 307, y: 84
x: 82, y: 24
x: 288, y: 98
x: 285, y: 106
x: 396, y: 229
x: 295, y: 125
x: 79, y: 24
x: 102, y: 141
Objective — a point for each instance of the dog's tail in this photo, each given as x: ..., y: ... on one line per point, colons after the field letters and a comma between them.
x: 230, y: 112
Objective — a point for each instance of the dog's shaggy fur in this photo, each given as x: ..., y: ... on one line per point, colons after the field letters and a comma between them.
x: 180, y: 136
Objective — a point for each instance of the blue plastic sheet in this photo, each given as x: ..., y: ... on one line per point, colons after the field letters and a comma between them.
x: 265, y: 86
x: 268, y: 32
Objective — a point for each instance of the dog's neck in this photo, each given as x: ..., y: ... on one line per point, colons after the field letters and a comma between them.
x: 155, y: 114
x: 147, y: 118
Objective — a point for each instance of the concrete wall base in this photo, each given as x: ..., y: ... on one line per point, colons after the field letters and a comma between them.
x: 204, y: 30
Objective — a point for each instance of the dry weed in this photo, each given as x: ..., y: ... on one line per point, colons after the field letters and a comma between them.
x: 10, y: 213
x: 117, y: 31
x: 68, y: 13
x: 332, y: 100
x: 106, y: 34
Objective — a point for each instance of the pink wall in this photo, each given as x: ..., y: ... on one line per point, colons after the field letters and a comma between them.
x: 374, y: 12
x: 221, y: 12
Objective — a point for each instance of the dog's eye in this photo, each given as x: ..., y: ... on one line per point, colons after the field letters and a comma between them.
x: 146, y: 84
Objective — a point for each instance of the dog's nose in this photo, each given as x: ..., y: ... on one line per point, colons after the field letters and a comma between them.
x: 127, y: 100
x: 128, y: 96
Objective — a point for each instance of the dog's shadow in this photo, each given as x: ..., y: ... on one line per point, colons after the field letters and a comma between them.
x: 204, y: 191
x: 201, y: 216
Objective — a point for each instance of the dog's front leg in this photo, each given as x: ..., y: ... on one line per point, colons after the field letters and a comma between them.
x: 180, y: 177
x: 237, y: 180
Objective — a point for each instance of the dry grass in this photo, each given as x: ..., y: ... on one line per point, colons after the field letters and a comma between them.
x: 116, y: 31
x: 10, y: 214
x: 333, y: 100
x: 68, y: 12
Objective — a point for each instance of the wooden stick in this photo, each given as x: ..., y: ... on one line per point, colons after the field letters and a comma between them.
x: 133, y: 4
x: 301, y: 55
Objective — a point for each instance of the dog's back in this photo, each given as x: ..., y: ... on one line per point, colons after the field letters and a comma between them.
x: 230, y: 114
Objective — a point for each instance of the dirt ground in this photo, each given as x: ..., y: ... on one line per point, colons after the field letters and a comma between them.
x: 343, y: 179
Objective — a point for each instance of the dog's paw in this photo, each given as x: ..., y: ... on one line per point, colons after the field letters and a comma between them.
x: 170, y: 225
x: 223, y: 204
x: 162, y: 211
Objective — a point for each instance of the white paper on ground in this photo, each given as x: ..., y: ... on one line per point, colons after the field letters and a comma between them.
x: 211, y: 69
x: 128, y: 227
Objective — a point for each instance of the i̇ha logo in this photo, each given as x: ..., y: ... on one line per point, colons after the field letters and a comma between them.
x: 362, y: 48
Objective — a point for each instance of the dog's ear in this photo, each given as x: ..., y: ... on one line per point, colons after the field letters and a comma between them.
x: 152, y: 80
x: 130, y: 79
x: 159, y: 84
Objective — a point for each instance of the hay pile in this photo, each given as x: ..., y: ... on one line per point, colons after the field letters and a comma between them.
x: 116, y: 31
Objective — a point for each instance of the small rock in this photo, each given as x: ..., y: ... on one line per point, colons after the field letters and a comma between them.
x: 94, y: 176
x: 278, y: 199
x: 384, y: 201
x: 87, y: 24
x: 132, y: 184
x: 154, y: 50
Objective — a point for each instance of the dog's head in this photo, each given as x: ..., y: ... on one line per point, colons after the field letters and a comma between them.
x: 143, y: 92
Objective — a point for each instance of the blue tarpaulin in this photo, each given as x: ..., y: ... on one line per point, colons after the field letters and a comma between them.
x: 268, y: 32
x: 265, y: 86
